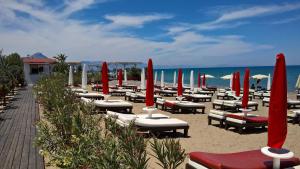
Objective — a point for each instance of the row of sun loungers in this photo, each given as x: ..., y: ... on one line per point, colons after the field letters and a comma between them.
x: 196, y: 97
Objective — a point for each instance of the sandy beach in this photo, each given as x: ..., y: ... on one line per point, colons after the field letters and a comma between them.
x: 203, y: 137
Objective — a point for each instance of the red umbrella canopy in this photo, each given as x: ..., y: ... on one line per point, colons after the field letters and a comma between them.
x: 246, y: 89
x: 277, y: 124
x: 204, y: 80
x: 238, y: 85
x: 105, y: 78
x: 233, y: 81
x: 179, y: 87
x: 199, y: 79
x: 120, y: 77
x: 150, y: 85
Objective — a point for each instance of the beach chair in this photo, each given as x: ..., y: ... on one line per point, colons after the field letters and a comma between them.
x: 291, y: 103
x: 94, y: 96
x: 298, y: 96
x: 112, y: 105
x: 233, y: 105
x: 196, y: 97
x: 164, y: 92
x: 79, y: 90
x: 119, y: 92
x: 157, y: 122
x: 240, y: 121
x: 219, y: 116
x: 240, y: 160
x: 138, y: 97
x: 179, y: 106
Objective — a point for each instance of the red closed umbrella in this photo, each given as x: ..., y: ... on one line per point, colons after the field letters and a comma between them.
x: 120, y: 77
x: 277, y: 123
x: 238, y: 85
x: 204, y: 81
x: 199, y: 79
x: 150, y: 85
x: 246, y: 89
x: 233, y: 81
x: 179, y: 87
x: 105, y: 78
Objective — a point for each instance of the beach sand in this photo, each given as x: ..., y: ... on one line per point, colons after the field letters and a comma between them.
x: 214, y: 139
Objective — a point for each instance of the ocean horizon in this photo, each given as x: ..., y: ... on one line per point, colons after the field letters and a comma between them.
x: 292, y: 74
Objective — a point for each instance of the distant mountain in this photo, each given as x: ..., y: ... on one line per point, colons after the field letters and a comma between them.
x: 39, y: 55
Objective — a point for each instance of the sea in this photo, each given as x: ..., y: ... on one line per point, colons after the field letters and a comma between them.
x: 292, y: 75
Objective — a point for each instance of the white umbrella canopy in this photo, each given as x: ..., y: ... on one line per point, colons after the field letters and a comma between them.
x: 125, y: 76
x: 174, y: 79
x: 143, y: 79
x: 260, y: 76
x: 162, y: 79
x: 298, y: 83
x: 155, y: 77
x: 70, y: 82
x: 207, y: 76
x: 226, y: 77
x: 192, y: 80
x: 269, y: 82
x: 84, y: 77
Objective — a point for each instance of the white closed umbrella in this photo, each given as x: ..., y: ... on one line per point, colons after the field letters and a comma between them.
x: 84, y: 77
x: 125, y: 76
x: 155, y: 78
x: 231, y: 81
x: 70, y: 82
x: 269, y: 83
x: 162, y: 79
x: 174, y: 79
x: 182, y: 79
x: 298, y: 83
x: 192, y: 81
x: 143, y: 79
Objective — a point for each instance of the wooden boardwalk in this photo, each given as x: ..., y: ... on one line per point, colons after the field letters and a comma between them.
x: 17, y: 132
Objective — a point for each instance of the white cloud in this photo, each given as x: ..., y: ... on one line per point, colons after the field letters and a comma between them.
x: 72, y: 6
x: 135, y: 20
x: 287, y: 20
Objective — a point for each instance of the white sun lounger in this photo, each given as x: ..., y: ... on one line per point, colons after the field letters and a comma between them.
x: 179, y: 106
x: 294, y: 115
x: 79, y: 90
x: 291, y: 103
x: 96, y: 96
x: 165, y: 92
x: 196, y: 97
x: 234, y: 105
x: 138, y: 97
x: 218, y: 115
x: 157, y: 123
x: 119, y: 92
x: 113, y: 105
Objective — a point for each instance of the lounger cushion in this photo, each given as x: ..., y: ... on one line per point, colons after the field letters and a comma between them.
x: 242, y: 160
x: 251, y: 119
x: 112, y: 103
x: 168, y: 122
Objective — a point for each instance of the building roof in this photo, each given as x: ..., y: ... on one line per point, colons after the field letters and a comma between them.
x: 38, y: 60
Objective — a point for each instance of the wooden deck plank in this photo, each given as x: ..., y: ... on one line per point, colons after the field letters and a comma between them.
x: 17, y: 132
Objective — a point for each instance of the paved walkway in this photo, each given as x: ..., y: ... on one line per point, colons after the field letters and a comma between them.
x: 17, y: 132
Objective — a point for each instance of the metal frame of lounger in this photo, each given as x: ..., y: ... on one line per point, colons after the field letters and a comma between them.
x: 295, y: 119
x: 298, y: 96
x: 240, y: 127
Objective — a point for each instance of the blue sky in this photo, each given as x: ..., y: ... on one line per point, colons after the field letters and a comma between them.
x: 171, y: 32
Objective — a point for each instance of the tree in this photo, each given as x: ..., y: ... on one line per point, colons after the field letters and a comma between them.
x: 61, y: 66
